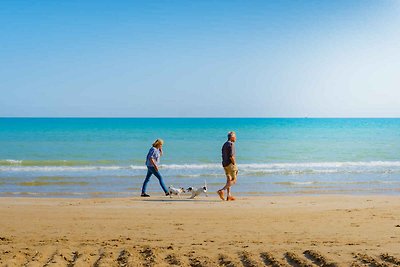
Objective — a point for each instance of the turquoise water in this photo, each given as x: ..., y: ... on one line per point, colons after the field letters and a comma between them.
x: 105, y: 157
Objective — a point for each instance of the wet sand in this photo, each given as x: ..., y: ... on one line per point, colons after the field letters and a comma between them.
x: 332, y: 230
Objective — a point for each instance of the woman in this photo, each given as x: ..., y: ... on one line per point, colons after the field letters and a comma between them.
x: 152, y: 160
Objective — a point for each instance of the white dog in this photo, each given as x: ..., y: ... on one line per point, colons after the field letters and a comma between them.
x: 175, y: 191
x: 197, y: 191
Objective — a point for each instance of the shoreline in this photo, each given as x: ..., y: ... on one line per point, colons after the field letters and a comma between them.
x: 395, y: 192
x: 343, y: 229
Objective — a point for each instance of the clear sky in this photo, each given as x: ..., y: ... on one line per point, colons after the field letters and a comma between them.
x: 200, y: 58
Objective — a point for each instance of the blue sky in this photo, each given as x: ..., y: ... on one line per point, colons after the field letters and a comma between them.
x: 200, y: 58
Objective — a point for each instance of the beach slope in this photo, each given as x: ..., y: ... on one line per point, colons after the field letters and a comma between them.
x: 332, y: 230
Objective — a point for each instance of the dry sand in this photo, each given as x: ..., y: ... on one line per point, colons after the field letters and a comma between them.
x: 253, y: 231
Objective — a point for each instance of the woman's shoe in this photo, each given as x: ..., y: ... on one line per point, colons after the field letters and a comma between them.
x: 144, y: 195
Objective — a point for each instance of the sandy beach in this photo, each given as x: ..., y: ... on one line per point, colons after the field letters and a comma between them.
x: 332, y: 230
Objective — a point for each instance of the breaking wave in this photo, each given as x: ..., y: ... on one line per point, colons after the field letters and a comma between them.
x: 251, y: 169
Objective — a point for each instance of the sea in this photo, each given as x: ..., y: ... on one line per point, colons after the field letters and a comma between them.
x: 105, y: 157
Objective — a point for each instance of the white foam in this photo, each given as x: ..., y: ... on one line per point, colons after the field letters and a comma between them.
x: 190, y: 166
x: 59, y: 168
x: 324, y: 164
x: 248, y: 168
x: 12, y: 161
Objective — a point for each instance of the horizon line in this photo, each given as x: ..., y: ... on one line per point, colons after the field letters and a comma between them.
x: 176, y: 117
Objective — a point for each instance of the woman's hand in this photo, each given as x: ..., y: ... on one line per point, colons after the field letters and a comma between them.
x: 154, y: 164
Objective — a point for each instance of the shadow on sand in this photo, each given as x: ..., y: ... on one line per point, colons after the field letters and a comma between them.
x: 177, y: 200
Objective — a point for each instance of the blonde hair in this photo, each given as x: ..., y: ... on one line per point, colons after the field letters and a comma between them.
x: 158, y: 142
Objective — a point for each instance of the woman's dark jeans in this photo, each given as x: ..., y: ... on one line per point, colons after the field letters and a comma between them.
x: 151, y: 171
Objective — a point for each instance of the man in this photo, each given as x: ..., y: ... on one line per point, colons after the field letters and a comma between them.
x: 230, y: 167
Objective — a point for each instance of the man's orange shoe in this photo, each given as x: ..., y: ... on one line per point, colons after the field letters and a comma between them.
x: 230, y: 198
x: 221, y: 194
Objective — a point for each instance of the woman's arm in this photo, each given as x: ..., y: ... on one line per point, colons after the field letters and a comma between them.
x: 154, y: 164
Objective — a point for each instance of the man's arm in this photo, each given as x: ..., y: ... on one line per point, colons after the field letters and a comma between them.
x: 232, y: 155
x: 233, y: 160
